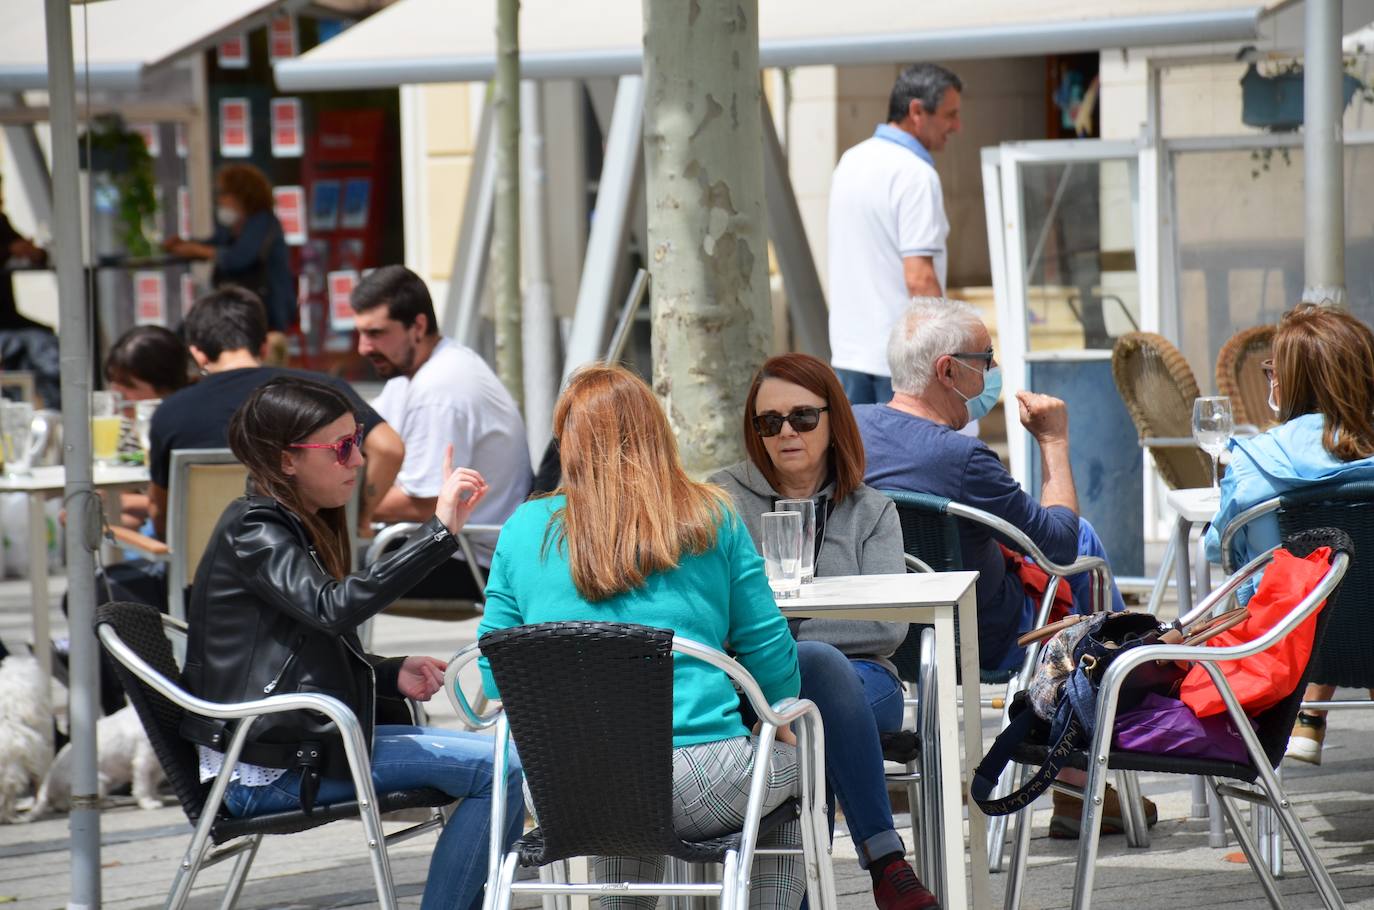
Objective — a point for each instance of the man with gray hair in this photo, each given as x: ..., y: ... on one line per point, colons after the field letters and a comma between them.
x: 887, y: 226
x: 944, y: 374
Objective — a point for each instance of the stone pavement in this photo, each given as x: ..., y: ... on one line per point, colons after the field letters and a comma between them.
x: 327, y: 867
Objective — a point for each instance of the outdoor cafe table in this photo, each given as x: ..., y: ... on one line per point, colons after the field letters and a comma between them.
x: 42, y: 484
x: 928, y: 597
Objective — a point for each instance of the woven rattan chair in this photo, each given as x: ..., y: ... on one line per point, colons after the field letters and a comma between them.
x: 136, y: 635
x: 1240, y: 378
x: 1159, y: 389
x: 590, y: 708
x: 1254, y: 782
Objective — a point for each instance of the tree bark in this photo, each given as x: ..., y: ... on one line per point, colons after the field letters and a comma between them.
x: 703, y: 155
x: 506, y: 97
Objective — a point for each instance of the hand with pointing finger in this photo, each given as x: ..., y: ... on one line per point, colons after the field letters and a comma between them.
x: 463, y: 489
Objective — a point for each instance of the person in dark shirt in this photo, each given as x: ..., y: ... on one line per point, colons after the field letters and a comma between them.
x: 226, y: 331
x: 944, y: 375
x: 248, y: 246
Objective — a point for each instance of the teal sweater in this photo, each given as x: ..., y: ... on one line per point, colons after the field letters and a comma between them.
x: 719, y: 598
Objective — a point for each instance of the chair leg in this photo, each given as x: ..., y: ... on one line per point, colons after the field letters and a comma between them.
x: 1133, y: 810
x: 1248, y: 847
x: 191, y: 863
x: 1020, y: 854
x: 1292, y: 825
x: 557, y: 871
x: 731, y: 882
x: 234, y: 887
x: 1089, y: 831
x: 501, y: 900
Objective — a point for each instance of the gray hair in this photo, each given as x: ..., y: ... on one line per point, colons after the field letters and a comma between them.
x: 930, y: 328
x: 923, y: 82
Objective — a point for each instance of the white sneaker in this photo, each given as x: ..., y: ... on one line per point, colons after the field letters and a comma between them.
x: 1305, y: 742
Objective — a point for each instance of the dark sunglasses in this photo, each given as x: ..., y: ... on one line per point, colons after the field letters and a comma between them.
x: 1267, y: 367
x: 986, y: 356
x: 343, y: 449
x: 803, y: 420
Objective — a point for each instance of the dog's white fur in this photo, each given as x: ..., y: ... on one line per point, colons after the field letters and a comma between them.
x: 25, y: 730
x: 124, y: 757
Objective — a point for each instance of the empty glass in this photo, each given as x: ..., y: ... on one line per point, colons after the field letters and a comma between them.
x: 782, y: 549
x: 1212, y: 426
x: 807, y: 508
x: 143, y: 422
x: 106, y: 425
x: 16, y: 437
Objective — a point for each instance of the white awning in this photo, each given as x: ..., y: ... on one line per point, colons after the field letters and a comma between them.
x: 416, y: 41
x: 127, y: 37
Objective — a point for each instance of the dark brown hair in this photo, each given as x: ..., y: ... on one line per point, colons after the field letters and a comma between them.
x: 1324, y: 361
x: 281, y: 412
x: 248, y: 185
x: 151, y: 354
x: 816, y: 376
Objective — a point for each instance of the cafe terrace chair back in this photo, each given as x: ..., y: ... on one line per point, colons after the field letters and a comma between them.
x: 1158, y: 388
x: 1240, y: 378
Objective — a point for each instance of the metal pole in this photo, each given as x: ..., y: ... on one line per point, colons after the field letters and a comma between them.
x: 1323, y: 155
x: 540, y: 329
x: 506, y: 98
x: 84, y: 821
x: 462, y: 319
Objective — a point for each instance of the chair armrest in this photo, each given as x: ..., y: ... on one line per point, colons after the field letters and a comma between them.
x: 1167, y: 442
x: 1234, y: 525
x: 467, y: 715
x: 916, y: 564
x: 128, y: 537
x: 384, y: 538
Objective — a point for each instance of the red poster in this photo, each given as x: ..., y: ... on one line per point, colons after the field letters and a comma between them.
x: 289, y: 203
x: 341, y: 285
x: 233, y: 53
x: 286, y: 128
x: 188, y: 292
x: 149, y: 132
x: 183, y: 212
x: 235, y: 128
x: 150, y: 299
x: 281, y: 38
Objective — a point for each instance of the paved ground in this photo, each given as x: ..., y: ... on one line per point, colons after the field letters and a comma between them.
x: 326, y: 868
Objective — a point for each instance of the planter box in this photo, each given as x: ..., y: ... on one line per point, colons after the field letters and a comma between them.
x: 1275, y: 102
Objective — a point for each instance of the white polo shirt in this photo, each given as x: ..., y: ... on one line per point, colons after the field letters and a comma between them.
x: 885, y: 204
x: 456, y: 398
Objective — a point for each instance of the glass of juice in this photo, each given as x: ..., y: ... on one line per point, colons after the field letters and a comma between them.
x: 106, y: 425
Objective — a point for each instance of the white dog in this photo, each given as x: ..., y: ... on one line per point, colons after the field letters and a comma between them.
x: 25, y: 730
x: 124, y: 757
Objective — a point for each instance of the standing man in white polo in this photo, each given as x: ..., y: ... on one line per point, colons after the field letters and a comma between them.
x: 888, y: 229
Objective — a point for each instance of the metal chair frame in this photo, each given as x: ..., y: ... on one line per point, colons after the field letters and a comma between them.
x: 733, y: 889
x: 1269, y: 791
x: 199, y: 853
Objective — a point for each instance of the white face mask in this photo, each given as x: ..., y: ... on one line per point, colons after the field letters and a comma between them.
x: 1273, y: 403
x: 227, y: 215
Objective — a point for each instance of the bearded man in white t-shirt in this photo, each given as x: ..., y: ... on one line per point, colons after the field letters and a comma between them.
x: 888, y: 229
x: 439, y: 394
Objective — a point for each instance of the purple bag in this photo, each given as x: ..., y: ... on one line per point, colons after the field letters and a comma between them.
x: 1161, y: 725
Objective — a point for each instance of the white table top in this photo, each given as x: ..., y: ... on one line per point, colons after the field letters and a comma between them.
x: 849, y: 593
x: 53, y: 479
x: 1197, y: 504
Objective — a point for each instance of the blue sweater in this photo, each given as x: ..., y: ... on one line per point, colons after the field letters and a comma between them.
x: 906, y: 452
x: 719, y: 598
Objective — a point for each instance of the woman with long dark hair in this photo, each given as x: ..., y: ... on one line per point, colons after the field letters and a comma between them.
x: 275, y: 609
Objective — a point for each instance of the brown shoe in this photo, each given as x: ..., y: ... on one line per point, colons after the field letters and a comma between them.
x: 1068, y: 814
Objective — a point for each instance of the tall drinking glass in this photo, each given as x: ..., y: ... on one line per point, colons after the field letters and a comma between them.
x: 807, y: 508
x: 105, y: 427
x: 782, y: 546
x: 143, y: 422
x: 16, y: 437
x: 1212, y: 427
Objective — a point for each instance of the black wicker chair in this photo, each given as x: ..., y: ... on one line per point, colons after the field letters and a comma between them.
x: 136, y: 636
x: 1265, y: 742
x: 590, y: 706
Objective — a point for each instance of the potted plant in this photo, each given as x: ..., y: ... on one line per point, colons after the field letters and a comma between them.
x: 110, y: 148
x: 1274, y: 101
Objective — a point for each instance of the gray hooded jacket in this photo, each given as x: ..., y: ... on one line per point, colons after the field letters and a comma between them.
x: 861, y: 537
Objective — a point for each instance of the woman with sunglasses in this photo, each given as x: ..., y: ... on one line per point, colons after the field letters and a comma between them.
x: 1321, y: 386
x: 803, y: 443
x: 275, y: 609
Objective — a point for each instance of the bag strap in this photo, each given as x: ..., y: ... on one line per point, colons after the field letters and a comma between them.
x: 1050, y: 629
x: 1206, y: 630
x: 1000, y: 754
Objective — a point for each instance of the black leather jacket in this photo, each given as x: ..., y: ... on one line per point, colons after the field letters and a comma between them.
x: 266, y: 618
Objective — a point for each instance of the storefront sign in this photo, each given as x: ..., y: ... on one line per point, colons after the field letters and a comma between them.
x: 287, y: 141
x: 281, y: 38
x: 150, y: 299
x: 235, y: 128
x: 233, y: 53
x: 341, y: 285
x: 289, y: 204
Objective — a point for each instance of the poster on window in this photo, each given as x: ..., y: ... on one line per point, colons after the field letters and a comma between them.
x: 281, y: 38
x: 233, y: 53
x: 324, y: 205
x: 235, y: 128
x: 286, y: 128
x: 149, y: 133
x: 341, y: 285
x: 356, y: 196
x: 289, y: 204
x: 188, y: 293
x: 150, y: 299
x: 183, y: 212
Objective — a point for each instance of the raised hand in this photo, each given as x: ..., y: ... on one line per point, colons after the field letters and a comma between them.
x: 463, y: 489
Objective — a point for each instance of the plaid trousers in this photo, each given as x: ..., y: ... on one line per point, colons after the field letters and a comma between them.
x: 710, y: 795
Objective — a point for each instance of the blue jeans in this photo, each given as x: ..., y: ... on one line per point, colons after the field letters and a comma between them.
x: 857, y: 699
x: 865, y: 388
x: 452, y: 761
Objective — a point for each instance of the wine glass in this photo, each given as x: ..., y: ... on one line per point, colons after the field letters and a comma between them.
x: 1212, y: 426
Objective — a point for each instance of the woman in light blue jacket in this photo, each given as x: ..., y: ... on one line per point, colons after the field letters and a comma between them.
x: 1321, y: 384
